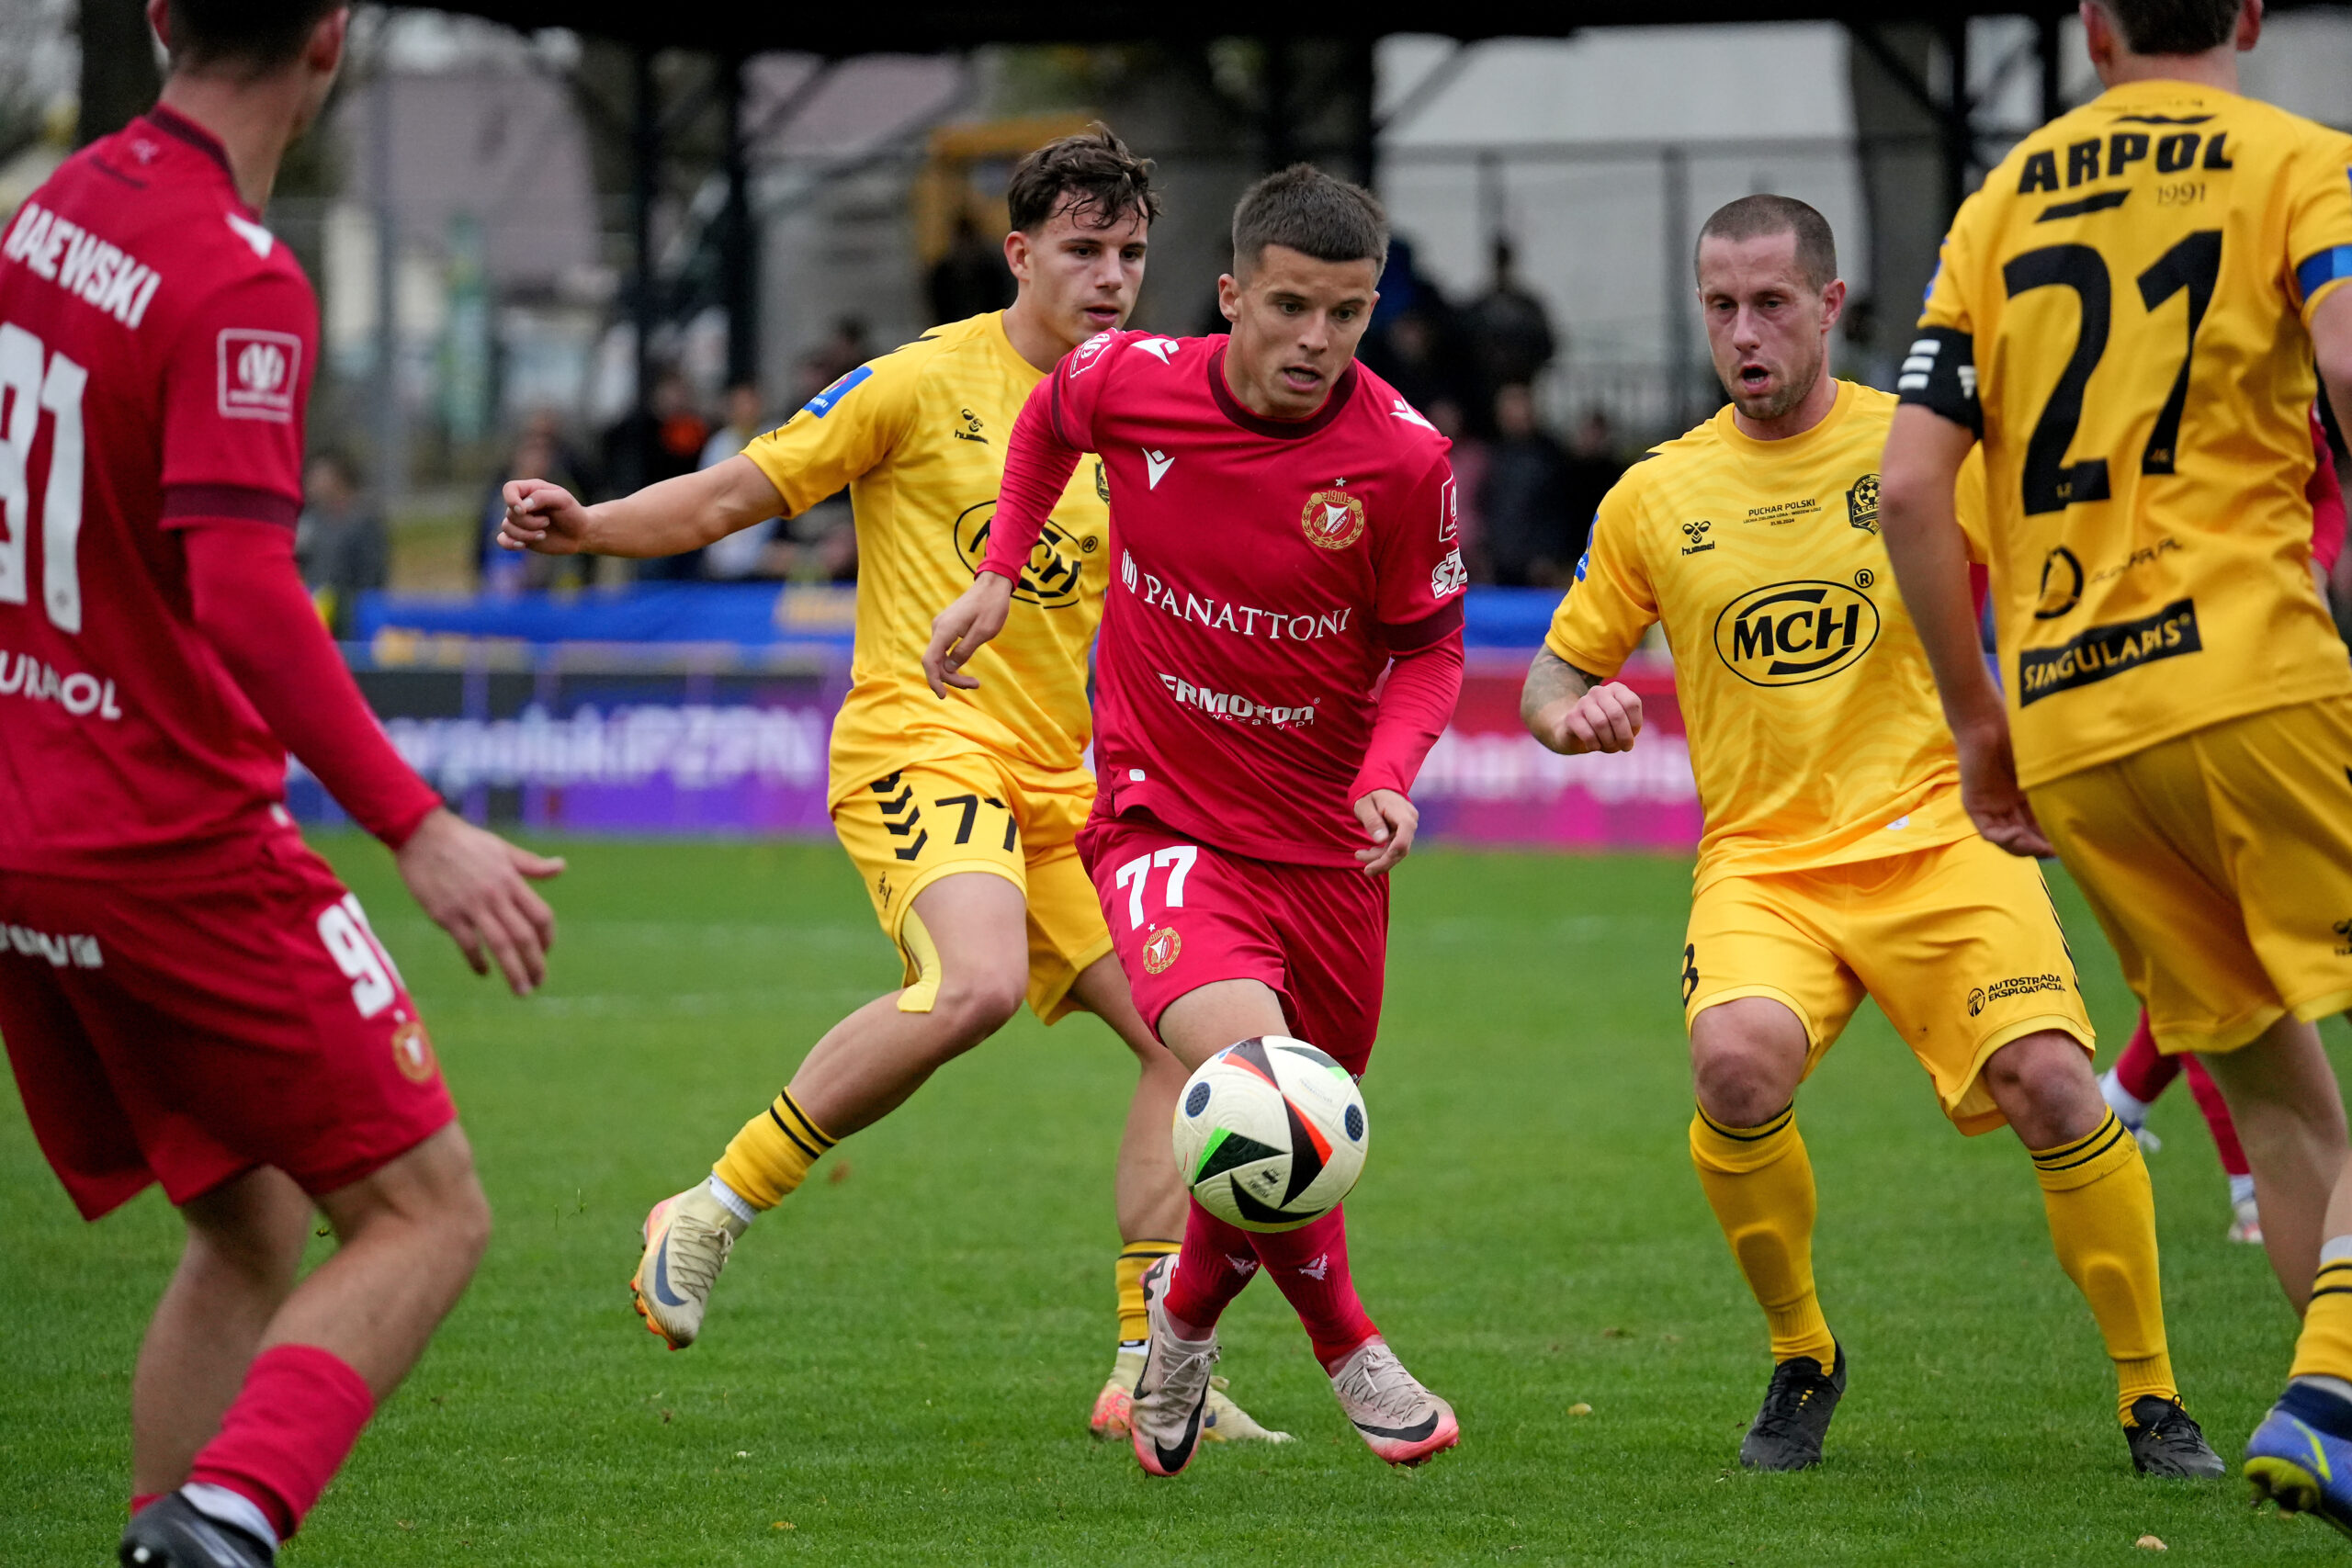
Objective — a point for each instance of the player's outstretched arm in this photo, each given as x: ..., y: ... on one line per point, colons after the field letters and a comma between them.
x: 477, y: 887
x: 1572, y: 713
x: 1924, y: 452
x: 665, y: 519
x: 247, y: 599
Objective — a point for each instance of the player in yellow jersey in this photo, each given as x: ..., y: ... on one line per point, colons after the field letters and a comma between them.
x: 960, y: 815
x: 2128, y: 314
x: 1836, y: 861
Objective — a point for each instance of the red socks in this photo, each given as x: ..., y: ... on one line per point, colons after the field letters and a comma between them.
x: 2216, y: 1118
x: 2142, y: 1071
x: 1216, y: 1261
x: 287, y: 1432
x: 1309, y: 1265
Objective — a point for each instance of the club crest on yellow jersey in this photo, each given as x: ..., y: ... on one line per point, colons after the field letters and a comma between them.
x: 1790, y: 633
x: 1861, y: 504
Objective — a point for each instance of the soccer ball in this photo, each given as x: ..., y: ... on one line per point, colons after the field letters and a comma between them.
x: 1271, y: 1134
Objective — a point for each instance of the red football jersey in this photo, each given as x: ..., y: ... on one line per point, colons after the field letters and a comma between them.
x: 1265, y: 572
x: 156, y: 345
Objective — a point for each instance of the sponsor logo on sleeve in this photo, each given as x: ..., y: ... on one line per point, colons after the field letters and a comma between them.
x: 2101, y: 652
x: 1083, y: 357
x: 1449, y: 516
x: 259, y: 371
x: 1402, y: 409
x: 1449, y: 576
x: 1333, y: 519
x: 1790, y: 633
x: 831, y: 397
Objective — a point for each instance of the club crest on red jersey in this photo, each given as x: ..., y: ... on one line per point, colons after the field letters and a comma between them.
x: 1333, y: 519
x: 1161, y: 950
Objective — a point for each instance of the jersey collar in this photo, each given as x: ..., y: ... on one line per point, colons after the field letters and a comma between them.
x: 1280, y: 429
x: 173, y: 123
x: 1822, y: 431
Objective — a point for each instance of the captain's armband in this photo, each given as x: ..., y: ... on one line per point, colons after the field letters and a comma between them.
x: 1940, y: 374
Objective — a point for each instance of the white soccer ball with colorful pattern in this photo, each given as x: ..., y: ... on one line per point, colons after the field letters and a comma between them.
x: 1271, y: 1134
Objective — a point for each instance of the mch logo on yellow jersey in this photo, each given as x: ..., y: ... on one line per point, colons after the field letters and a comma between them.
x: 1764, y: 562
x: 1793, y: 632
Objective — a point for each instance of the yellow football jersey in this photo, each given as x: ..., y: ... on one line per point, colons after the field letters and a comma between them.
x: 919, y: 436
x: 2120, y: 311
x: 1814, y: 730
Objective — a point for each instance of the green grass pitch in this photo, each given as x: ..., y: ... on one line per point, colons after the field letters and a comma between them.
x: 898, y: 1365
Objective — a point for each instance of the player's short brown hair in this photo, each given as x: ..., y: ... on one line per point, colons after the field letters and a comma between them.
x: 2173, y: 27
x: 1091, y: 175
x: 1304, y: 209
x: 1753, y: 217
x: 254, y: 35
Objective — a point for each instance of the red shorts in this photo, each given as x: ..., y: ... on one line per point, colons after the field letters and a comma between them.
x: 186, y: 1030
x: 1185, y: 915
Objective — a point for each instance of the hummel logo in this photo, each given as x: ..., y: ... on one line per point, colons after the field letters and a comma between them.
x: 1159, y: 463
x: 1319, y: 1269
x: 1162, y: 347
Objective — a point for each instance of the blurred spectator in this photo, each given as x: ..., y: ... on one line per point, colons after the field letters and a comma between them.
x: 646, y: 446
x: 540, y: 453
x: 341, y: 541
x: 1593, y: 467
x: 848, y: 348
x: 1532, y: 539
x: 971, y: 278
x: 745, y: 553
x: 1510, y: 333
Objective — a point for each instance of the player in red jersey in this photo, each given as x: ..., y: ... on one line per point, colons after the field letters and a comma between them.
x: 187, y: 994
x: 1284, y: 530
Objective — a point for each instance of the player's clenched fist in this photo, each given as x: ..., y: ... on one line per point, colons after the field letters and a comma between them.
x: 1605, y: 718
x: 543, y: 518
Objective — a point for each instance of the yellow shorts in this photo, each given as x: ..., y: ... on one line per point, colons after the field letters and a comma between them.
x: 1958, y: 943
x: 2221, y: 864
x: 974, y: 812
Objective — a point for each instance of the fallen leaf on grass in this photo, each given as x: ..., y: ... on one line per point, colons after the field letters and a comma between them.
x: 1580, y: 1409
x: 2150, y: 1543
x: 839, y: 1174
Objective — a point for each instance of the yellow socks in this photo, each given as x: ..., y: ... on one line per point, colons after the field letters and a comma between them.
x: 1135, y: 1256
x: 2325, y: 1348
x: 1760, y: 1184
x: 2103, y: 1222
x: 772, y: 1153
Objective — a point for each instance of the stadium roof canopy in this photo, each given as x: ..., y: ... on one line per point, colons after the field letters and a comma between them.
x: 925, y: 24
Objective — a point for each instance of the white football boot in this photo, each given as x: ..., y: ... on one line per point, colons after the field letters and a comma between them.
x: 687, y: 1238
x: 1397, y: 1418
x: 1172, y: 1391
